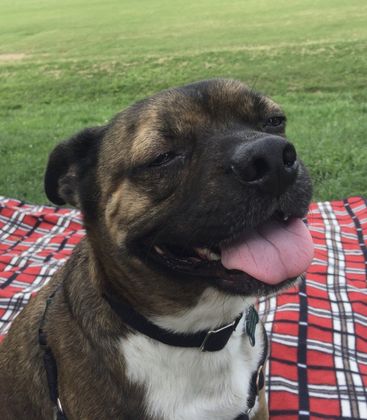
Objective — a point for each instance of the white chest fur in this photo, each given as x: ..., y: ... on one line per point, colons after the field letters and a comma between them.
x: 187, y: 384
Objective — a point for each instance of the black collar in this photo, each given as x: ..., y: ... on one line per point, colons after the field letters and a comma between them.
x: 211, y: 340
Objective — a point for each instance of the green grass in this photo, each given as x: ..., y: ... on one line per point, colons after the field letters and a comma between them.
x: 69, y: 64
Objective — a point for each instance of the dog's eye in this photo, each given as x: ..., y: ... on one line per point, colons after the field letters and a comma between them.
x: 275, y: 121
x: 163, y: 159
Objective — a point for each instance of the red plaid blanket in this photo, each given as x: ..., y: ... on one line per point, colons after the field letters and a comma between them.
x: 318, y: 332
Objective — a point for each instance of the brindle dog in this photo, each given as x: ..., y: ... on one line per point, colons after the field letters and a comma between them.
x: 163, y: 187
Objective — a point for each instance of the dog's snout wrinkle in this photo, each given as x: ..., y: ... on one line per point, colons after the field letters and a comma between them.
x: 270, y: 164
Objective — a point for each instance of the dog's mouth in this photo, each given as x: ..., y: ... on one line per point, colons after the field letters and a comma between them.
x: 265, y: 257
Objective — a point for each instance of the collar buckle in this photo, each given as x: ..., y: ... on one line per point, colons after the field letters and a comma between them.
x: 216, y: 339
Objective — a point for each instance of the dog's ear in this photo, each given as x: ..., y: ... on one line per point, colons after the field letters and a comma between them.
x: 70, y: 164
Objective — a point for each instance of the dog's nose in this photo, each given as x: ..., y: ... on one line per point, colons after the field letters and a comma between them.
x: 269, y: 163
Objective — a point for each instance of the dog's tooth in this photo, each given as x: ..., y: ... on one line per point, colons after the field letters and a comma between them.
x: 214, y: 257
x: 206, y: 254
x: 158, y: 250
x: 285, y: 218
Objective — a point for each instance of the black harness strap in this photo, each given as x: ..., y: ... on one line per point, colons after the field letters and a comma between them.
x: 49, y: 363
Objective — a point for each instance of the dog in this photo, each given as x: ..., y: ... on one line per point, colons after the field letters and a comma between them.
x: 193, y: 202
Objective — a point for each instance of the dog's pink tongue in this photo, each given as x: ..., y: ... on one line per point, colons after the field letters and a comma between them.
x: 274, y: 252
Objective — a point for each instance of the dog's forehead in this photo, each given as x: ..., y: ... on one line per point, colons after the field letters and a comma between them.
x: 221, y: 97
x: 146, y: 127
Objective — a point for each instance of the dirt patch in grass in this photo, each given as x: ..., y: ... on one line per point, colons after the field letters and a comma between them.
x: 12, y: 57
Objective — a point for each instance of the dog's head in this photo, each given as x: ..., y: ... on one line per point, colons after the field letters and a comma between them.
x: 195, y: 186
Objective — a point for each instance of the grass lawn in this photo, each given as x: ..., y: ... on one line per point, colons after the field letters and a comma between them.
x: 69, y: 64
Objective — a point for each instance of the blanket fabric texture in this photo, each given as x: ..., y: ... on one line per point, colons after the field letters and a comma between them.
x: 318, y: 330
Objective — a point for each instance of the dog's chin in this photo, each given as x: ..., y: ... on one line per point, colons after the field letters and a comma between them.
x: 245, y: 285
